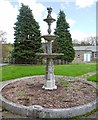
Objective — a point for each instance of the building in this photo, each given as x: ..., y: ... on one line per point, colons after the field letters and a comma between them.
x: 82, y: 53
x: 85, y: 53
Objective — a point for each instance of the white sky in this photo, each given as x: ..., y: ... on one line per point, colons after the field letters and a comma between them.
x: 8, y: 15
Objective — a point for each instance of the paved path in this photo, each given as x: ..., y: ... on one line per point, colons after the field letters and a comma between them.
x: 85, y: 76
x: 3, y: 64
x: 7, y: 114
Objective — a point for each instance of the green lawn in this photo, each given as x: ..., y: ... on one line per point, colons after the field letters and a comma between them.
x: 93, y: 78
x: 18, y: 71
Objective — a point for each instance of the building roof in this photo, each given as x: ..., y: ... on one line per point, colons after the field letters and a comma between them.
x: 89, y: 48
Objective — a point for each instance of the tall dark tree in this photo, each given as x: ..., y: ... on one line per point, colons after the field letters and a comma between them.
x: 63, y: 42
x: 27, y: 37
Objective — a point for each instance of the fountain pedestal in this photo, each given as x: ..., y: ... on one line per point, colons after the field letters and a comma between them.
x: 49, y: 83
x: 50, y: 79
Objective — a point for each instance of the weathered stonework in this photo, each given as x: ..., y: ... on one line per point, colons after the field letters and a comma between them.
x: 37, y: 111
x: 50, y: 79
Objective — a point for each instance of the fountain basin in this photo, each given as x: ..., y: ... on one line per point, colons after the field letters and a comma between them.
x: 37, y: 111
x: 49, y: 37
x: 49, y: 55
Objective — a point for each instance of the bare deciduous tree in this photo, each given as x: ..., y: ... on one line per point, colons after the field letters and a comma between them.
x: 2, y: 36
x: 90, y: 41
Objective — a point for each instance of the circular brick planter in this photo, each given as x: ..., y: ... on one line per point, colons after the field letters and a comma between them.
x: 37, y: 111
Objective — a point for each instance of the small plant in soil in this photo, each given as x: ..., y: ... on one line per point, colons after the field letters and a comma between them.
x: 64, y: 83
x: 20, y: 93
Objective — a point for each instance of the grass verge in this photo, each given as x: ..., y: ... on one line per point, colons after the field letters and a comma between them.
x: 93, y: 78
x: 17, y: 71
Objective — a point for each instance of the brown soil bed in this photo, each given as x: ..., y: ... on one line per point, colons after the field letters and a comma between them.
x: 68, y: 94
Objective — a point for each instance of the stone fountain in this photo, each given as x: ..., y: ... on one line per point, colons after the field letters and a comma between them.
x: 36, y: 110
x: 50, y: 79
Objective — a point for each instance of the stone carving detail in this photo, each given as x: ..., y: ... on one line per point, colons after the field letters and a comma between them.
x: 50, y: 79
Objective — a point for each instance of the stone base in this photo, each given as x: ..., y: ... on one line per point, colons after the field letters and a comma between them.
x: 49, y: 85
x: 48, y: 88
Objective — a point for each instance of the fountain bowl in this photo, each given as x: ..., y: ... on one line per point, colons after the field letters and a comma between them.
x: 49, y: 37
x: 49, y: 55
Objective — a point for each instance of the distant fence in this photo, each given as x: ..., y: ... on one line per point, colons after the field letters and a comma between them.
x: 4, y: 60
x: 59, y: 61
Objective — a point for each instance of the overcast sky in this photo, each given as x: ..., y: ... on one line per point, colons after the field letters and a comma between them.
x: 80, y: 14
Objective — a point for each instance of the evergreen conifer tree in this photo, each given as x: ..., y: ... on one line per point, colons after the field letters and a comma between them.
x: 27, y: 37
x: 63, y: 43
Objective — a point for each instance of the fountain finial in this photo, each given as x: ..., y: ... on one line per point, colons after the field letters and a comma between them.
x: 49, y: 19
x: 49, y: 12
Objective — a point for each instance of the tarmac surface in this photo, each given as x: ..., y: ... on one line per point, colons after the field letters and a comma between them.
x: 3, y: 64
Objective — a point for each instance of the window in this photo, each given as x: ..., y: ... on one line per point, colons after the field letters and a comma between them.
x: 96, y: 55
x: 78, y: 56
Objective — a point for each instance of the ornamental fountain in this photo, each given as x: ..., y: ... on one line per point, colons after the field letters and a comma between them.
x: 49, y: 83
x: 67, y: 105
